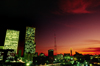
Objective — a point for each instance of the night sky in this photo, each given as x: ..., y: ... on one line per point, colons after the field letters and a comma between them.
x: 76, y: 23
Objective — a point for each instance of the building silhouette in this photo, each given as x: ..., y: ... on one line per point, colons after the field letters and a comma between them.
x: 51, y: 53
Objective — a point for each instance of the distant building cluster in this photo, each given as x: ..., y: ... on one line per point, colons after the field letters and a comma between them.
x: 66, y: 59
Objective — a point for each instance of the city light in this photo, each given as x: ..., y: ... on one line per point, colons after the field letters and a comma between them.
x: 41, y: 60
x: 27, y: 64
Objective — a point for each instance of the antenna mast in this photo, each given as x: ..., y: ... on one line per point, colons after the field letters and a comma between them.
x: 55, y: 46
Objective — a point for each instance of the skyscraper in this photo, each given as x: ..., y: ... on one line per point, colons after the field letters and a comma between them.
x: 11, y: 40
x: 30, y: 45
x: 10, y: 44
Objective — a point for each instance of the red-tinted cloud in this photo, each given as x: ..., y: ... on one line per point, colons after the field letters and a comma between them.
x: 96, y: 49
x: 93, y: 41
x: 76, y: 6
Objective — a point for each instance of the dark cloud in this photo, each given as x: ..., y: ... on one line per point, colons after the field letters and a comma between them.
x: 43, y: 7
x: 77, y: 6
x: 28, y: 7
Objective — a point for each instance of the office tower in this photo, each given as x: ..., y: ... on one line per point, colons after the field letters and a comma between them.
x: 10, y: 44
x: 30, y: 44
x: 51, y: 53
x: 30, y: 40
x: 11, y: 40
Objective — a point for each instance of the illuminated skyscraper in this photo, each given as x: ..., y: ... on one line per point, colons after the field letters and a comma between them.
x: 30, y: 41
x: 11, y: 40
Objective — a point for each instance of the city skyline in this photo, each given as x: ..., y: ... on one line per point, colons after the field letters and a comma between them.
x: 75, y: 23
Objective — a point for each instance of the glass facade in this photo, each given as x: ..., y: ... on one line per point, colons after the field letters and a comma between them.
x: 30, y: 40
x: 11, y: 40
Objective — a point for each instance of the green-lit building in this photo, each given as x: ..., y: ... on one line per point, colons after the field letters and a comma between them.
x: 11, y: 40
x: 10, y: 44
x: 30, y: 45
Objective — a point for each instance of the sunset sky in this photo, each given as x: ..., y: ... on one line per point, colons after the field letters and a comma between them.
x: 76, y: 23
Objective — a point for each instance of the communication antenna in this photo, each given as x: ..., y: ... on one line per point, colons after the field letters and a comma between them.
x: 55, y: 46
